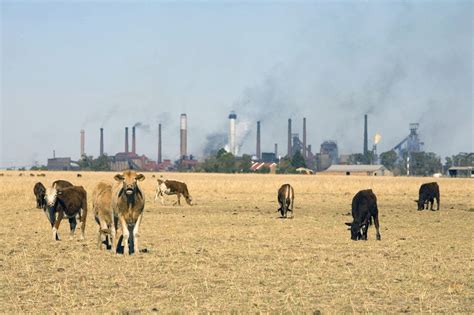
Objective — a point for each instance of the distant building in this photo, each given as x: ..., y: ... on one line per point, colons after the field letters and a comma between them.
x: 461, y: 171
x: 256, y: 166
x: 62, y: 164
x: 358, y: 170
x: 269, y: 157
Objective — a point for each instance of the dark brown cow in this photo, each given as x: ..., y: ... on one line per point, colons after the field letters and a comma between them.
x: 286, y: 197
x: 173, y: 187
x: 40, y: 191
x: 72, y: 202
x: 364, y: 208
x: 427, y: 193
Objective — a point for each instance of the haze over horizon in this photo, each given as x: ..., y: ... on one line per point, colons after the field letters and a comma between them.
x: 87, y: 65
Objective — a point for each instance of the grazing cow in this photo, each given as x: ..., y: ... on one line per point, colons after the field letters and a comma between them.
x: 428, y: 192
x: 40, y: 191
x: 128, y: 203
x: 52, y: 207
x: 104, y: 216
x: 286, y: 196
x: 71, y: 202
x: 79, y: 175
x: 173, y: 187
x: 364, y: 208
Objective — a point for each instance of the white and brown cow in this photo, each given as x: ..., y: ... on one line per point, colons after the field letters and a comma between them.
x: 173, y: 187
x: 128, y: 203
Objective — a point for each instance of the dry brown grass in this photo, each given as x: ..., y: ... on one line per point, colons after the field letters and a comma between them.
x: 230, y: 252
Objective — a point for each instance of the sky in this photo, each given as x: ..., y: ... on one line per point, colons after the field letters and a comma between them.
x: 67, y: 66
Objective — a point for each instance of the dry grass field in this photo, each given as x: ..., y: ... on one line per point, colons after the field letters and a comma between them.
x: 230, y: 252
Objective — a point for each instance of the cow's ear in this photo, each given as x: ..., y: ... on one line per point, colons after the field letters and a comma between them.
x: 140, y: 177
x: 347, y: 223
x: 160, y: 181
x: 119, y: 177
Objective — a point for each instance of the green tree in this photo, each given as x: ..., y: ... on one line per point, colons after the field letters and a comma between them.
x: 389, y: 159
x: 298, y: 160
x: 264, y: 170
x: 285, y: 167
x: 245, y: 163
x: 425, y: 164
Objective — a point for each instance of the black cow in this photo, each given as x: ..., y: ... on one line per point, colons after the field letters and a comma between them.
x: 364, y: 208
x: 428, y: 192
x: 39, y: 190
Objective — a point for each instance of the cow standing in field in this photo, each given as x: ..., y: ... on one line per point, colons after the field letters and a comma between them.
x: 70, y: 202
x: 173, y: 187
x: 40, y: 191
x: 128, y: 203
x: 286, y: 196
x: 52, y: 207
x: 428, y: 192
x: 104, y: 216
x: 364, y: 209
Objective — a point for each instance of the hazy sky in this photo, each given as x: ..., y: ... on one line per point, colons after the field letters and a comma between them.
x: 67, y: 66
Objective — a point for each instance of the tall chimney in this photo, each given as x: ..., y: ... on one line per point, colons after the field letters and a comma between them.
x: 305, y: 154
x: 159, y: 144
x: 365, y: 136
x: 82, y: 143
x: 126, y: 139
x: 101, y: 152
x: 276, y: 150
x: 289, y: 137
x: 232, y: 119
x: 134, y: 151
x: 183, y: 136
x: 259, y: 155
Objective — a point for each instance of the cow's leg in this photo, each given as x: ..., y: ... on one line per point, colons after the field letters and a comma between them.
x: 377, y: 228
x: 431, y: 203
x: 162, y: 198
x: 103, y: 230
x: 56, y: 226
x: 83, y: 223
x: 72, y: 226
x: 135, y: 233
x: 437, y: 203
x: 125, y: 234
x: 179, y: 199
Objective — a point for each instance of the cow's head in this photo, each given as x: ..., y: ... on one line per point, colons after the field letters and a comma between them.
x: 189, y: 200
x: 355, y: 229
x: 129, y: 181
x: 51, y: 198
x: 420, y: 203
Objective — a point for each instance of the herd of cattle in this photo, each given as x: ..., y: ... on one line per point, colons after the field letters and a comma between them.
x: 118, y: 209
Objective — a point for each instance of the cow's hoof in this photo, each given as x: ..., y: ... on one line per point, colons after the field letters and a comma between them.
x: 379, y: 238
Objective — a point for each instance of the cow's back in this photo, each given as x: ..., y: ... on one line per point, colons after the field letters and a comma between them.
x: 177, y: 187
x: 429, y: 189
x: 364, y: 201
x: 74, y: 198
x: 60, y: 184
x: 102, y: 198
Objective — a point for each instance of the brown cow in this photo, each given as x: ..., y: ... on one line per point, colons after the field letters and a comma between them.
x: 52, y: 207
x: 128, y: 203
x: 286, y: 198
x: 173, y: 187
x: 104, y: 216
x: 73, y: 202
x: 40, y: 191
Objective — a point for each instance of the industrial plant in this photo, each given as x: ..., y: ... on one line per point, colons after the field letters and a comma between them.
x: 321, y: 161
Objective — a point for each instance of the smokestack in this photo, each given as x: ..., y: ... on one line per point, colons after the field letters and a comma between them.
x: 101, y: 152
x: 259, y: 156
x: 276, y: 150
x: 289, y: 137
x: 126, y: 139
x: 134, y: 151
x: 183, y: 136
x: 159, y: 144
x: 305, y: 155
x: 232, y: 119
x: 82, y: 143
x: 365, y: 136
